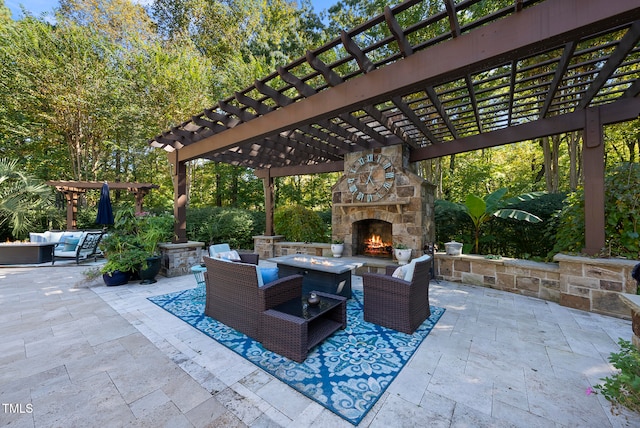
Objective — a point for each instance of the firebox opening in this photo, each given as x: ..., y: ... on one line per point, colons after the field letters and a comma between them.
x: 373, y: 238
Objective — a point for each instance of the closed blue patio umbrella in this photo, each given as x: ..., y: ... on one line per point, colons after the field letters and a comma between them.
x: 105, y: 212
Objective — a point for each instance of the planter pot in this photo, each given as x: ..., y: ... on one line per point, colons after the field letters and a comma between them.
x: 403, y: 255
x: 337, y: 249
x: 148, y: 275
x: 116, y: 278
x: 453, y: 248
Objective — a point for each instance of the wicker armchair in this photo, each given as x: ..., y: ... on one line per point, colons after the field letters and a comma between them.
x: 223, y: 251
x: 395, y: 303
x: 234, y: 297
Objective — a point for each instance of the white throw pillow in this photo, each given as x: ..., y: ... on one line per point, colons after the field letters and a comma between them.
x: 228, y: 255
x: 399, y: 273
x: 408, y: 276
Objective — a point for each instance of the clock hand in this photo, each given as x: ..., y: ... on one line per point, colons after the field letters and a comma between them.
x: 369, y: 178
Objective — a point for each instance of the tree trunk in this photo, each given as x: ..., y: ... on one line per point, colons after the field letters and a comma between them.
x: 546, y: 150
x: 574, y: 159
x: 218, y: 190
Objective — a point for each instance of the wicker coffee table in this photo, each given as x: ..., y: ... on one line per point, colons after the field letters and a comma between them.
x: 294, y: 327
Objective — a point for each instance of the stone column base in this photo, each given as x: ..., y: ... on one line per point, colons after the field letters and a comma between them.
x: 263, y: 245
x: 177, y: 259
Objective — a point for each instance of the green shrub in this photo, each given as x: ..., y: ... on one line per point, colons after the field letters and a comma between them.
x: 528, y: 240
x: 623, y: 388
x: 452, y: 223
x: 234, y: 226
x: 219, y: 224
x: 622, y: 210
x: 506, y: 237
x: 299, y: 224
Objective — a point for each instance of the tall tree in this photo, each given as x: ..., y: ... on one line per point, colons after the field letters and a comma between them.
x: 84, y: 101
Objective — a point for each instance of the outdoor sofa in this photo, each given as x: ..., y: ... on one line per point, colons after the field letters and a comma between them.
x: 398, y: 299
x: 237, y: 294
x: 71, y: 244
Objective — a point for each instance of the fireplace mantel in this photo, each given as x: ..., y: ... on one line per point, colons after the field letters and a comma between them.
x: 398, y: 203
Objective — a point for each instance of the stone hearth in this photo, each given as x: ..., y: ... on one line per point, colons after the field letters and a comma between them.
x: 403, y: 215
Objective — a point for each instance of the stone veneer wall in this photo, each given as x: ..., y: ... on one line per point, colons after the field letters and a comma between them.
x: 273, y: 246
x: 589, y: 284
x: 408, y: 206
x: 177, y: 259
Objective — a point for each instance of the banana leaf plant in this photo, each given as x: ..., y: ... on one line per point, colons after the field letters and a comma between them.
x: 481, y: 210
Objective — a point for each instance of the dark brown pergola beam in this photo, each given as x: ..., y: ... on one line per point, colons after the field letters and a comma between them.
x: 287, y: 171
x: 620, y: 111
x: 548, y: 25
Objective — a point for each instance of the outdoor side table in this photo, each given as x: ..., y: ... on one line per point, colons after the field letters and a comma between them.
x: 198, y: 272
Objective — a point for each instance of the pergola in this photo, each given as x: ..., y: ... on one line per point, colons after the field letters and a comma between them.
x: 72, y: 189
x: 475, y: 74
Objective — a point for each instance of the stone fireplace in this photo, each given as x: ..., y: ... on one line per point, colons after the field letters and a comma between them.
x: 373, y: 238
x: 379, y: 201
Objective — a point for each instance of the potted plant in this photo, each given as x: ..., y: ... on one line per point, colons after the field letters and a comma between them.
x: 123, y: 257
x: 132, y: 247
x: 337, y: 247
x: 402, y: 253
x: 152, y: 230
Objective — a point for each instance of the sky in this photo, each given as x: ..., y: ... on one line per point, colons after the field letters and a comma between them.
x: 37, y: 7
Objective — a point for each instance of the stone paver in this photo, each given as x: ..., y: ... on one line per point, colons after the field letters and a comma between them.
x: 78, y: 354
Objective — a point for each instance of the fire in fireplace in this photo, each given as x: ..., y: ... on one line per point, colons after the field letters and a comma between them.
x: 376, y: 247
x: 373, y: 238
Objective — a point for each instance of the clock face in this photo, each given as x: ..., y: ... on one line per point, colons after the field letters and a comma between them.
x: 370, y: 177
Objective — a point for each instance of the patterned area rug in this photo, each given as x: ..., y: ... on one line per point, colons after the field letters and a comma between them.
x: 347, y: 373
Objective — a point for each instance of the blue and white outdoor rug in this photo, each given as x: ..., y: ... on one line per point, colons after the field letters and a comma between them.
x: 347, y: 373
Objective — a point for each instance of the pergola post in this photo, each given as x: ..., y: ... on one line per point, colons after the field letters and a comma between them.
x: 267, y: 182
x: 593, y: 160
x: 72, y: 208
x: 180, y: 202
x: 139, y: 195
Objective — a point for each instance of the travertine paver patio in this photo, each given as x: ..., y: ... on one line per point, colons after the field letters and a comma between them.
x: 76, y: 355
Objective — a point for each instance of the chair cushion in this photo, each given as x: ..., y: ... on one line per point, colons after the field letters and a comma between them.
x: 410, y: 267
x: 228, y: 255
x: 70, y: 244
x: 268, y: 274
x: 399, y: 272
x: 37, y: 237
x: 218, y: 248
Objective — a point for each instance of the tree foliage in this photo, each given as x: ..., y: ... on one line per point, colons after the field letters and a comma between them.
x: 299, y: 224
x: 21, y: 196
x: 622, y: 207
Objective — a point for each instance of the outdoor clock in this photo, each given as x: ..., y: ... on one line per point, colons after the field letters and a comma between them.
x: 370, y: 177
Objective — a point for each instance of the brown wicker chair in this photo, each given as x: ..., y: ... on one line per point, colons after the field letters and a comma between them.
x: 395, y: 303
x: 234, y: 298
x: 217, y: 249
